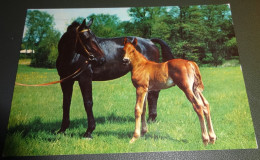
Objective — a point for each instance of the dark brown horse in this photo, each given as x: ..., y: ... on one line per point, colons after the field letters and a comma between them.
x: 74, y: 47
x: 151, y: 76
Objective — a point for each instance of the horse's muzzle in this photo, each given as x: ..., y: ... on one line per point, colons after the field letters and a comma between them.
x: 98, y: 61
x: 102, y: 60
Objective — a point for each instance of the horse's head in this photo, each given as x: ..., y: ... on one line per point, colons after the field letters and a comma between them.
x: 129, y: 49
x: 87, y: 44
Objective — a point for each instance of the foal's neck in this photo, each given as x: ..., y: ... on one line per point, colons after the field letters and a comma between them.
x: 138, y: 59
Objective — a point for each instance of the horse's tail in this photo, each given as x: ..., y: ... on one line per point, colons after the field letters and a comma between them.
x: 198, y: 84
x: 166, y: 50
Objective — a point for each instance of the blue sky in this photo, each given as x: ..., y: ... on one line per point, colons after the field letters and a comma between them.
x: 63, y: 17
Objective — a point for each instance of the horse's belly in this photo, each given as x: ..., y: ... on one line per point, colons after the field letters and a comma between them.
x: 110, y: 71
x: 158, y: 85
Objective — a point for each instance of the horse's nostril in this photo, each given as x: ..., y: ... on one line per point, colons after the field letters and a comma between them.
x: 103, y: 59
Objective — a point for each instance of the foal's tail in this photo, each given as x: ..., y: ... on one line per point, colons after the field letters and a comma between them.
x: 166, y: 50
x: 198, y: 80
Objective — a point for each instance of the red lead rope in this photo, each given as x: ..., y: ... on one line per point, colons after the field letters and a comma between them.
x: 50, y: 83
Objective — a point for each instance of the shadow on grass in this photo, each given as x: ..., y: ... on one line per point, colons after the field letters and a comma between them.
x: 37, y: 126
x: 147, y: 136
x: 47, y: 131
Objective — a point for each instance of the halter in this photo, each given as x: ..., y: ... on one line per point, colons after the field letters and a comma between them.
x: 91, y: 56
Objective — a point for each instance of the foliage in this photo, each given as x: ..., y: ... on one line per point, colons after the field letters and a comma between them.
x: 41, y: 37
x: 47, y: 53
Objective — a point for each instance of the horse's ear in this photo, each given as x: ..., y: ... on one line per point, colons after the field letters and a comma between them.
x: 90, y: 22
x: 83, y: 24
x: 134, y: 42
x: 125, y: 40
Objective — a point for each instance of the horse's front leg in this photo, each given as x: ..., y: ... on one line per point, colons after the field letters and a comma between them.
x: 140, y: 98
x: 152, y: 104
x: 85, y: 83
x: 67, y: 88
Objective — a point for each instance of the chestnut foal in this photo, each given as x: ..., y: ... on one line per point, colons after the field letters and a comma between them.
x: 152, y: 76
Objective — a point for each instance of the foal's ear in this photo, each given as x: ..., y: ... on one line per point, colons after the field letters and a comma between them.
x: 125, y: 40
x: 134, y: 42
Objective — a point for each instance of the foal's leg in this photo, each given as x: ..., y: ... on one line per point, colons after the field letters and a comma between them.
x: 140, y: 98
x: 144, y: 125
x: 198, y: 108
x: 67, y: 88
x: 212, y: 134
x: 152, y: 104
x: 85, y: 83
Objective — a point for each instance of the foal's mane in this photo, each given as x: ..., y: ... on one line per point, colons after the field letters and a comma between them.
x: 138, y: 53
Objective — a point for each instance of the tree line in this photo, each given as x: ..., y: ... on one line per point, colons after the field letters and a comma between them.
x: 204, y: 34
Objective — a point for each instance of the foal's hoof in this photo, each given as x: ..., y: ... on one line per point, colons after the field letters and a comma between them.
x: 133, y: 140
x: 213, y: 140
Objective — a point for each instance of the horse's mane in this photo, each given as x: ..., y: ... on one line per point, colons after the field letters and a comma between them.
x: 73, y: 25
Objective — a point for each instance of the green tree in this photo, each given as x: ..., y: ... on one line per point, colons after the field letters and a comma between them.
x: 42, y: 37
x: 144, y: 18
x: 216, y: 20
x: 37, y: 24
x: 47, y: 52
x: 190, y: 33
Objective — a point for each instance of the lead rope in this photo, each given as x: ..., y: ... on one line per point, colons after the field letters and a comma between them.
x: 73, y: 75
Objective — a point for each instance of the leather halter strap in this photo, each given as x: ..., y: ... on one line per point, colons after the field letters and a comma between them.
x: 91, y: 56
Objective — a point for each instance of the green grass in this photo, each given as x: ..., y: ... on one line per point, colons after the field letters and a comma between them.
x: 36, y: 115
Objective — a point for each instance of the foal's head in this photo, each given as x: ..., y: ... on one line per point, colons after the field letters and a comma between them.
x: 129, y: 49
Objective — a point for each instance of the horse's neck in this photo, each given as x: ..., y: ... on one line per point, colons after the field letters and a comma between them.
x: 67, y: 52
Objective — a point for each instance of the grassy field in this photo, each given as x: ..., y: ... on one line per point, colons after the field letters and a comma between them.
x: 36, y: 115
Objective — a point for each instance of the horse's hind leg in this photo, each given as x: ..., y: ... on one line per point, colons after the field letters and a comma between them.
x: 212, y: 134
x: 67, y: 88
x: 152, y: 104
x: 198, y: 108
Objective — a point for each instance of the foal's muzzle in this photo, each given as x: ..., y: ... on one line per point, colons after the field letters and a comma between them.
x: 126, y: 61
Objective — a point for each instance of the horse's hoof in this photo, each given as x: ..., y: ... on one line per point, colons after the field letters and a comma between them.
x: 206, y: 142
x: 133, y: 140
x: 61, y: 131
x: 213, y: 140
x: 143, y: 132
x: 87, y: 136
x: 151, y: 120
